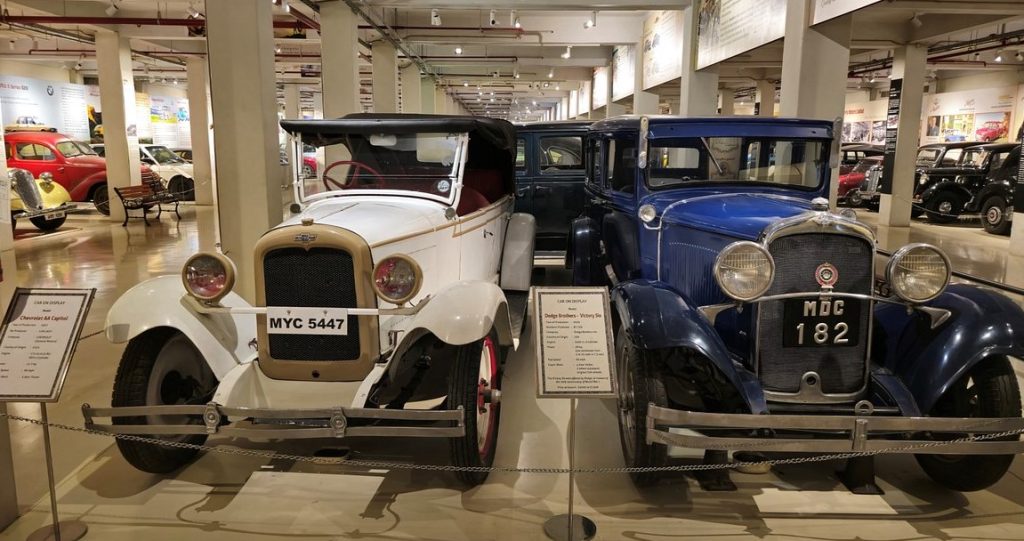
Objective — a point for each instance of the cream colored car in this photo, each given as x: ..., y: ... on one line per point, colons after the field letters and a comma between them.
x: 44, y: 202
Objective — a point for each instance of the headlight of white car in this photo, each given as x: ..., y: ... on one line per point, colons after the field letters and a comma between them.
x: 923, y: 179
x: 208, y: 276
x: 397, y: 278
x: 918, y: 272
x: 744, y: 270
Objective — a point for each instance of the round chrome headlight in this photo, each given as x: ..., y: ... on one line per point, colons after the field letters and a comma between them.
x: 208, y: 276
x: 744, y: 270
x: 918, y: 272
x: 397, y: 278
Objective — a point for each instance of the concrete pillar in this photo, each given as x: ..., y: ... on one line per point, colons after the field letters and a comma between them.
x: 565, y: 108
x: 411, y: 93
x: 291, y: 111
x: 6, y: 227
x: 814, y: 66
x: 241, y: 43
x: 427, y: 96
x: 1017, y: 232
x: 385, y: 77
x: 8, y: 494
x: 910, y: 64
x: 727, y: 102
x: 698, y: 90
x: 117, y: 103
x: 644, y: 103
x: 339, y: 45
x: 766, y: 98
x: 199, y: 125
x: 440, y: 101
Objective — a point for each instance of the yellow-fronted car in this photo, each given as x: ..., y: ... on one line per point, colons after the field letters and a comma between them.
x: 44, y: 202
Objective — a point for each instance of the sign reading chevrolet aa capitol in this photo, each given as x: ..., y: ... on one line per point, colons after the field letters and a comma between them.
x: 574, y: 342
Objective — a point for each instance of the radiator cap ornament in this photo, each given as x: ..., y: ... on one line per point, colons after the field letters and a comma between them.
x: 826, y: 274
x: 819, y: 203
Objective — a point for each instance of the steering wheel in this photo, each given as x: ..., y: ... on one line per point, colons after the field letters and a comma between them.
x: 356, y: 166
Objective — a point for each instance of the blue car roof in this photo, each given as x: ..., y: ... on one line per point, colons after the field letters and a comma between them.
x: 678, y: 126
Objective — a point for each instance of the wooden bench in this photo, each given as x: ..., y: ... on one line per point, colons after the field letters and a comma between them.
x: 144, y: 197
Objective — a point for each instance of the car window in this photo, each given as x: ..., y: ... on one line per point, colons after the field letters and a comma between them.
x: 561, y: 152
x: 520, y: 153
x: 594, y: 169
x: 997, y: 159
x: 766, y: 160
x: 621, y: 165
x: 951, y: 157
x: 68, y: 148
x: 927, y: 156
x: 973, y: 157
x: 85, y: 148
x: 33, y: 151
x: 163, y: 155
x: 100, y: 150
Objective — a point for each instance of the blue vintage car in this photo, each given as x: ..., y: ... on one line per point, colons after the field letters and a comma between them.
x: 748, y: 312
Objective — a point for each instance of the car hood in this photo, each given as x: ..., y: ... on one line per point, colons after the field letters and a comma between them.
x: 89, y: 160
x: 742, y: 215
x: 375, y: 219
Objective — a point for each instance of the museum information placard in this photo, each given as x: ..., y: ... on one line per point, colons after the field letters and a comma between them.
x: 575, y: 356
x: 38, y: 338
x: 727, y: 28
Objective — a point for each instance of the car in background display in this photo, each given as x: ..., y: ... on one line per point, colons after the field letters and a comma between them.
x: 380, y: 308
x: 28, y: 123
x: 747, y: 313
x: 42, y: 201
x: 183, y: 153
x: 991, y: 130
x: 995, y: 199
x: 854, y: 185
x: 73, y: 165
x: 174, y: 170
x: 550, y: 174
x: 854, y: 153
x: 946, y: 192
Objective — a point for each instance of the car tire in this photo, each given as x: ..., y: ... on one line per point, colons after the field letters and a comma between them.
x: 101, y: 199
x: 307, y: 172
x: 989, y: 389
x: 944, y: 208
x: 994, y: 216
x: 854, y: 198
x: 638, y: 387
x: 43, y: 224
x: 474, y: 378
x: 184, y: 187
x: 159, y: 367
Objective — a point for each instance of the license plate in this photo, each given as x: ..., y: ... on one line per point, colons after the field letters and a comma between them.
x: 53, y: 215
x: 301, y: 320
x: 821, y: 323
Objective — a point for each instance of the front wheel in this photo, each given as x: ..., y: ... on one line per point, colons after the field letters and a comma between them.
x: 639, y: 386
x: 994, y: 216
x: 43, y: 224
x: 101, y: 199
x: 183, y: 187
x: 988, y: 390
x: 475, y: 385
x: 161, y: 367
x: 944, y: 208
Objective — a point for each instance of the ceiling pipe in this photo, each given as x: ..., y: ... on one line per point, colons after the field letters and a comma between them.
x: 140, y: 21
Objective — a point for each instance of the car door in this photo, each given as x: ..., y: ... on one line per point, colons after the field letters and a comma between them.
x: 558, y: 186
x: 617, y: 203
x: 524, y: 174
x: 40, y: 158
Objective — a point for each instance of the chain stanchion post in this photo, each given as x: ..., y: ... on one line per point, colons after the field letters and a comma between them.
x: 574, y: 527
x: 57, y: 531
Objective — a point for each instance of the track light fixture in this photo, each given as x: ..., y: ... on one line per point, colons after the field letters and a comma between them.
x: 435, y: 18
x: 873, y: 78
x: 284, y: 5
x: 277, y: 49
x: 193, y: 13
x: 465, y: 83
x: 551, y: 73
x: 494, y: 17
x: 111, y: 9
x: 568, y: 52
x: 591, y: 22
x: 1019, y: 56
x: 999, y: 56
x: 977, y: 56
x: 458, y: 50
x: 515, y: 74
x: 916, y: 20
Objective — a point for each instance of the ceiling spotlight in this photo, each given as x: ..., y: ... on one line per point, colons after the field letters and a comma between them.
x: 516, y: 23
x: 514, y: 18
x: 873, y: 78
x: 458, y: 50
x: 285, y: 6
x: 558, y: 87
x: 494, y: 18
x: 277, y: 49
x: 111, y: 9
x: 999, y: 56
x: 1019, y: 57
x: 435, y: 18
x: 551, y: 73
x: 534, y: 102
x: 193, y: 13
x: 492, y: 100
x: 591, y: 22
x: 465, y: 83
x: 568, y: 52
x: 977, y: 56
x: 515, y: 74
x: 916, y: 20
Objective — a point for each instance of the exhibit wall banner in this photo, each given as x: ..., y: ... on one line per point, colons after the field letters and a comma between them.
x: 971, y: 115
x: 726, y: 28
x: 584, y: 97
x: 574, y: 103
x: 892, y: 124
x: 600, y: 87
x: 865, y: 122
x: 662, y: 48
x: 28, y: 101
x: 623, y: 68
x: 824, y: 10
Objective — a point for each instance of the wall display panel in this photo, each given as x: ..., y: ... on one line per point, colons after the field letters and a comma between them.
x: 662, y: 46
x: 971, y: 115
x: 865, y: 122
x: 600, y: 87
x: 574, y: 103
x: 584, y: 97
x: 727, y: 28
x: 623, y: 69
x: 830, y: 9
x: 160, y: 119
x: 62, y: 106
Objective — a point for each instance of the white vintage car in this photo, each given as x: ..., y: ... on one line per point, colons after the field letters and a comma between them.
x: 381, y: 307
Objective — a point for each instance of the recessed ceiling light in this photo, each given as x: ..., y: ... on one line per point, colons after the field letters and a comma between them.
x: 458, y: 50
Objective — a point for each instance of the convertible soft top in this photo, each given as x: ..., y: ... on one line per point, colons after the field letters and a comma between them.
x: 498, y: 133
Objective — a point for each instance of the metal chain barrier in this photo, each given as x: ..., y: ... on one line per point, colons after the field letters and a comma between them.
x: 379, y: 464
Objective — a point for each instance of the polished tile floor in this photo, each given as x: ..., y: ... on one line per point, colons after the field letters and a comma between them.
x: 229, y: 497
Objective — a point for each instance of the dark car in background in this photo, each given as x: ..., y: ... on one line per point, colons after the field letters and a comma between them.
x: 550, y: 174
x: 947, y: 191
x: 995, y: 199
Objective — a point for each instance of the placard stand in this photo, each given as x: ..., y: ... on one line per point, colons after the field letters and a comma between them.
x: 37, y: 342
x: 571, y: 527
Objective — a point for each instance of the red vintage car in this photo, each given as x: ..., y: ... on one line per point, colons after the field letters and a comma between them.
x: 73, y: 164
x: 991, y: 130
x: 850, y: 191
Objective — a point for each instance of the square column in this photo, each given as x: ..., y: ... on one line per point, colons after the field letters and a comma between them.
x: 411, y: 92
x: 249, y: 176
x: 6, y: 227
x: 117, y: 100
x: 427, y: 96
x: 440, y: 101
x: 698, y: 90
x: 291, y: 111
x: 727, y: 102
x: 339, y: 46
x: 199, y: 125
x: 644, y: 103
x: 910, y: 64
x: 766, y: 98
x: 385, y: 78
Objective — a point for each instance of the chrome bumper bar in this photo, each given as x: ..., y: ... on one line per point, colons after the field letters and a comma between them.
x: 66, y: 208
x: 274, y: 423
x: 861, y: 433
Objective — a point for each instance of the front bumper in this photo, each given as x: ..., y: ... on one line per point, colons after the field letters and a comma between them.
x: 830, y: 433
x: 66, y: 208
x: 283, y: 424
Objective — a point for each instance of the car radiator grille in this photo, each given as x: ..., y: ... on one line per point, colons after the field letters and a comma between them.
x: 841, y: 369
x: 322, y: 277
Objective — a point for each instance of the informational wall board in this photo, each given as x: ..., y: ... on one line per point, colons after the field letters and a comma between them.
x: 829, y: 9
x: 584, y: 94
x: 662, y: 48
x: 575, y: 355
x: 24, y: 100
x: 981, y: 115
x: 600, y: 87
x: 727, y: 28
x: 623, y: 64
x: 37, y: 341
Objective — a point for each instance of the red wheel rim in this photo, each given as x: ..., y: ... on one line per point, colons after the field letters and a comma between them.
x: 486, y: 411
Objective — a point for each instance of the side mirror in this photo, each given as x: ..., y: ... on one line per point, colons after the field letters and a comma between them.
x: 837, y: 141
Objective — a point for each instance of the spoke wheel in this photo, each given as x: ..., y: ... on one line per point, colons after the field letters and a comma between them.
x: 639, y: 386
x: 475, y: 384
x: 944, y: 208
x: 994, y: 214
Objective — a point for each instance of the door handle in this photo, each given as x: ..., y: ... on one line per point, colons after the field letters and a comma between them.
x: 595, y: 201
x: 60, y: 169
x: 541, y: 189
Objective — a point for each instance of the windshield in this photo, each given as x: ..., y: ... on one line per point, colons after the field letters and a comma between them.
x: 85, y: 148
x: 864, y: 166
x: 927, y: 156
x: 69, y: 148
x: 789, y: 162
x: 163, y: 155
x: 415, y: 162
x: 974, y: 157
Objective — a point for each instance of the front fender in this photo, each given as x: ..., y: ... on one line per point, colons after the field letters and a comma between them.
x: 463, y: 313
x: 943, y: 186
x: 929, y: 361
x: 53, y: 194
x: 655, y: 316
x: 223, y: 339
x: 583, y: 254
x: 80, y: 190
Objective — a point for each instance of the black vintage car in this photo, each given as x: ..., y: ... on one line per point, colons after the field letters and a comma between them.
x: 550, y: 175
x: 995, y: 199
x: 937, y: 193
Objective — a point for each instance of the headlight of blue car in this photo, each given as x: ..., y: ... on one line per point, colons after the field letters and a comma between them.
x: 918, y: 273
x: 744, y: 270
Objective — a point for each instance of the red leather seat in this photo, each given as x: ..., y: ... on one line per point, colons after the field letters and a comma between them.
x: 487, y: 182
x: 470, y: 201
